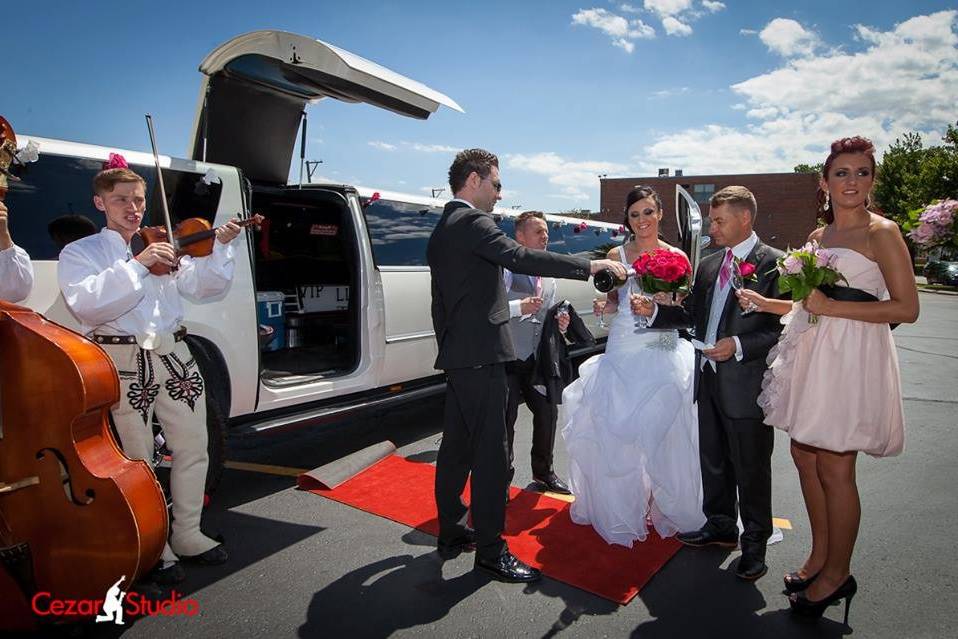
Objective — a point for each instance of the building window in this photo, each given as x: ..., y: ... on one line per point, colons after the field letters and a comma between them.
x: 702, y: 193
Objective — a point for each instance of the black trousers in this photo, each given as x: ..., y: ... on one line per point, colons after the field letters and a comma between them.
x: 736, y: 457
x: 474, y: 440
x: 544, y: 416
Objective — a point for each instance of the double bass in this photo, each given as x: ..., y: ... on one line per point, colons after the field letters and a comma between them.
x: 75, y: 513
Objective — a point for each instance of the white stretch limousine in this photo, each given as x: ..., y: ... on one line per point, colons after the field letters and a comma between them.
x: 329, y: 308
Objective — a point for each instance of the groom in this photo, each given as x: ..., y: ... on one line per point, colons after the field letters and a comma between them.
x: 735, y: 446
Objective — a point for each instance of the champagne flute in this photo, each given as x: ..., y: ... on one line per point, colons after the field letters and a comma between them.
x: 532, y: 318
x: 738, y: 283
x: 599, y: 300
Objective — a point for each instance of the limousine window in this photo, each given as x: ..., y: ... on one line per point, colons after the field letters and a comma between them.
x: 592, y: 242
x: 53, y: 204
x: 399, y: 231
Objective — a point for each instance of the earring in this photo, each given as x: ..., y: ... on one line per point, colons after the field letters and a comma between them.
x: 828, y: 201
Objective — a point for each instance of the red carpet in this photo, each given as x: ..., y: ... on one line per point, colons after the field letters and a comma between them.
x: 538, y: 529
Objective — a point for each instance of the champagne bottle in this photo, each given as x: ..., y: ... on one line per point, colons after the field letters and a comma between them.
x: 606, y: 280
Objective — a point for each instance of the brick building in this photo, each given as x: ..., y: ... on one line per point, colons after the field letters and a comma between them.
x: 786, y: 201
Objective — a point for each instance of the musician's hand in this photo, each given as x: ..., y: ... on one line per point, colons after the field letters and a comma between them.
x: 228, y: 232
x: 530, y: 305
x: 724, y: 349
x: 157, y: 253
x: 5, y: 240
x: 617, y: 268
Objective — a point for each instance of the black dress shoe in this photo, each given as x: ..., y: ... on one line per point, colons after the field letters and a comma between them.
x: 454, y: 547
x: 795, y: 583
x: 169, y: 576
x: 553, y: 484
x: 804, y: 606
x: 750, y: 568
x: 706, y: 537
x: 507, y: 568
x: 213, y: 557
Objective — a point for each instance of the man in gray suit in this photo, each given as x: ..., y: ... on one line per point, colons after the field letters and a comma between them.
x: 530, y: 298
x: 466, y: 255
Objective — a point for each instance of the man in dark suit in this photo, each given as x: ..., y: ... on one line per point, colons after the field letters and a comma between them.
x: 470, y: 313
x: 735, y: 446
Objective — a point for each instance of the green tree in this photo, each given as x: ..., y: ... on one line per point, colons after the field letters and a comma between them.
x: 911, y: 176
x: 810, y: 168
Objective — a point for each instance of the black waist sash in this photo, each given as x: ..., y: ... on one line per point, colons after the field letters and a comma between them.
x: 849, y: 294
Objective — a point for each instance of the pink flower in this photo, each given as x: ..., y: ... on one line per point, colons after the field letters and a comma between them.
x: 792, y: 265
x: 115, y: 161
x: 746, y: 269
x: 822, y: 258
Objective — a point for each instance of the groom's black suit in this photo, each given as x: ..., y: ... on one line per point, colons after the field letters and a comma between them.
x: 735, y: 446
x: 470, y: 313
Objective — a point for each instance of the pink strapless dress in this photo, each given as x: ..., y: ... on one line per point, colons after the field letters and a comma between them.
x: 835, y: 384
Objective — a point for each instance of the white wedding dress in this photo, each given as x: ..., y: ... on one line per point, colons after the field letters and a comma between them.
x: 631, y: 429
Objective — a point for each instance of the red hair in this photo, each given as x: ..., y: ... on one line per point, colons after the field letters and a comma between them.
x: 856, y: 144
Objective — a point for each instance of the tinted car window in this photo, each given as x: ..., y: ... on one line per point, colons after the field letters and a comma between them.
x: 399, y: 231
x: 53, y: 204
x: 593, y: 242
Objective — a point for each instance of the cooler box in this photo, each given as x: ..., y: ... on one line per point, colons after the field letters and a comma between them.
x: 269, y: 312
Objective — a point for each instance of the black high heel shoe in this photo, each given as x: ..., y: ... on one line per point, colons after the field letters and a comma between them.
x: 804, y: 606
x: 794, y: 583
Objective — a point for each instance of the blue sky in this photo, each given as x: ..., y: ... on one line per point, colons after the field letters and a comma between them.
x: 561, y: 91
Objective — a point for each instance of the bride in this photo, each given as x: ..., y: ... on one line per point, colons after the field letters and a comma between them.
x: 629, y: 422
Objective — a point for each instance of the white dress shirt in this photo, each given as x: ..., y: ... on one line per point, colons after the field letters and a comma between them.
x: 16, y: 274
x: 740, y: 251
x: 515, y: 306
x: 114, y: 294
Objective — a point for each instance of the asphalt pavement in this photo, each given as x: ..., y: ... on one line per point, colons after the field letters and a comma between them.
x: 304, y: 566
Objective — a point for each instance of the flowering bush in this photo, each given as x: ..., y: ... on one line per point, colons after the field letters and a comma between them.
x: 936, y: 225
x: 663, y: 271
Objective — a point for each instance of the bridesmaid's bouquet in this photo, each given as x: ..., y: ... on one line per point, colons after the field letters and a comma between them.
x: 663, y: 271
x: 803, y: 270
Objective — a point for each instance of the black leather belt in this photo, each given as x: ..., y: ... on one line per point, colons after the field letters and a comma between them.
x: 178, y: 335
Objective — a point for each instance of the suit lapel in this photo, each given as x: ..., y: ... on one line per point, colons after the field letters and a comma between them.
x: 755, y: 256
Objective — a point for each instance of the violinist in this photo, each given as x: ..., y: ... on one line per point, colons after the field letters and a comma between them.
x: 136, y: 317
x: 16, y: 271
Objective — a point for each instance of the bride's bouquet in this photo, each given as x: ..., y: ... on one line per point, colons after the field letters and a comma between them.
x: 803, y: 270
x: 663, y: 271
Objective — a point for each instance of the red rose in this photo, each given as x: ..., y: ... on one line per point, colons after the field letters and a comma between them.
x: 747, y: 269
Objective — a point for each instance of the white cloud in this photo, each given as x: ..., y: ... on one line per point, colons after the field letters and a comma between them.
x: 903, y: 79
x: 789, y: 38
x: 622, y: 30
x: 714, y: 7
x: 570, y: 177
x: 432, y: 148
x: 747, y: 31
x: 382, y: 146
x: 668, y: 93
x: 668, y: 7
x: 628, y: 8
x: 674, y: 26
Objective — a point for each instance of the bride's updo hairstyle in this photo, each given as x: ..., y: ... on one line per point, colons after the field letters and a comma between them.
x: 638, y: 193
x: 856, y: 144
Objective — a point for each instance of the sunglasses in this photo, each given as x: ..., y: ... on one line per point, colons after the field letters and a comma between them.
x: 496, y: 185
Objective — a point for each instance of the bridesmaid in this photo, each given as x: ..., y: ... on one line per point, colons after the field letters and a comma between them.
x: 850, y: 349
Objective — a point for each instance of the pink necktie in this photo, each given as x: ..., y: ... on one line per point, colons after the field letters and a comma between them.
x: 725, y: 274
x: 537, y: 283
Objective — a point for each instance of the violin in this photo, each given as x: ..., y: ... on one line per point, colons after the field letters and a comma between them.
x: 193, y: 236
x: 75, y: 513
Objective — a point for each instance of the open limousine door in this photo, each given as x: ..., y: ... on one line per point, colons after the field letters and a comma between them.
x: 257, y: 85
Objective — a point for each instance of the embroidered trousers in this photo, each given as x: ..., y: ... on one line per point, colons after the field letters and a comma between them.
x: 172, y: 386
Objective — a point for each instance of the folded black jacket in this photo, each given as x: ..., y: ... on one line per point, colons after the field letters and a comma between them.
x: 553, y: 367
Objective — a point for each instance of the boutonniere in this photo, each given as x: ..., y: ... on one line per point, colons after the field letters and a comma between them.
x: 746, y: 270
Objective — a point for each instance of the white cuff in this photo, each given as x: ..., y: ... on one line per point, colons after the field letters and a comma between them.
x: 515, y: 308
x: 738, y: 349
